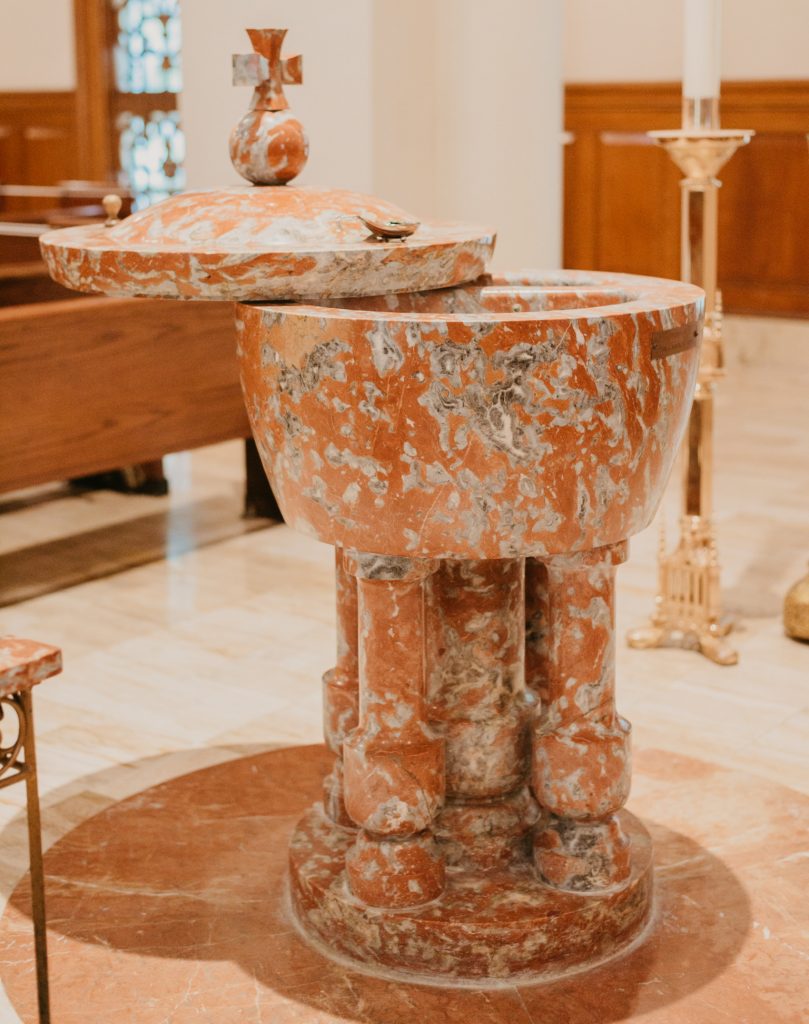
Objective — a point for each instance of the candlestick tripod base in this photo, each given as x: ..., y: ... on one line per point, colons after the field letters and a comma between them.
x: 709, y: 642
x: 489, y: 927
x: 688, y: 613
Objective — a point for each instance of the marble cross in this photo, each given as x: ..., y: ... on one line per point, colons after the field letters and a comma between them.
x: 266, y: 70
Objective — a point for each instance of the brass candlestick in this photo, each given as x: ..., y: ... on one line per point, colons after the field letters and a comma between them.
x: 688, y: 611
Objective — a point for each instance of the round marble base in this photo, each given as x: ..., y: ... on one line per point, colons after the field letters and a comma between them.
x: 488, y: 928
x: 171, y: 907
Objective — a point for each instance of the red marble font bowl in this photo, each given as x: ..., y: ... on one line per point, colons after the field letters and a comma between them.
x: 530, y: 414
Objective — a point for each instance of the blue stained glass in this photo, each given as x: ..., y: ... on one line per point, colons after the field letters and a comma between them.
x: 147, y: 50
x: 151, y: 155
x: 147, y: 60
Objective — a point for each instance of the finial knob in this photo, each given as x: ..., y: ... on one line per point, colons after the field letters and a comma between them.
x: 112, y: 207
x: 268, y: 146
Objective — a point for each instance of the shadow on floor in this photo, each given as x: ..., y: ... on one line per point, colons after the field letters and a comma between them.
x: 759, y: 590
x: 92, y: 554
x: 173, y: 900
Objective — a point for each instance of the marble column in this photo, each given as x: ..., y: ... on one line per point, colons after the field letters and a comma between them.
x: 581, y: 756
x: 393, y: 761
x: 478, y: 702
x: 341, y: 690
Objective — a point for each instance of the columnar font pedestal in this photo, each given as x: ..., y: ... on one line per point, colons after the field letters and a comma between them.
x: 459, y: 861
x: 581, y: 769
x: 394, y: 763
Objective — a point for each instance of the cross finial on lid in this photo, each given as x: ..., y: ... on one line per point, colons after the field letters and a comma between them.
x: 268, y: 146
x: 266, y: 70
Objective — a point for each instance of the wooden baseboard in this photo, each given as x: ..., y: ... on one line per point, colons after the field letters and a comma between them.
x: 37, y: 142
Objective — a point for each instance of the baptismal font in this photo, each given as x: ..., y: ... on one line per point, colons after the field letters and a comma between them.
x: 477, y: 450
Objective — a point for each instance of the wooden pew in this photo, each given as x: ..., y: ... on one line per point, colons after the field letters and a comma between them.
x: 90, y: 385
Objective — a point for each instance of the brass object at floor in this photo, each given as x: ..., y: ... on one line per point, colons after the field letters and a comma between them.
x: 23, y: 663
x: 688, y: 611
x: 796, y: 610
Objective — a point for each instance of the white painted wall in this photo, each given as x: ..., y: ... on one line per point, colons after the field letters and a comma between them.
x: 404, y: 102
x: 36, y: 46
x: 451, y: 109
x: 642, y: 40
x: 499, y: 108
x: 334, y: 103
x: 467, y: 117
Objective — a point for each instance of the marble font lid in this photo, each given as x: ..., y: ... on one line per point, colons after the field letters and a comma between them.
x: 267, y: 240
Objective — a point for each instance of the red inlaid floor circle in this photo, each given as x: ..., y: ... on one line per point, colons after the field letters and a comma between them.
x: 170, y: 907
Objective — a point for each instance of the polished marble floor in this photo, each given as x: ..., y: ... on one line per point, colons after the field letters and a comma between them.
x: 215, y: 651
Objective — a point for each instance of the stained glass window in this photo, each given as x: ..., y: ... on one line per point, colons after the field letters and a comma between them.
x: 152, y: 150
x: 147, y: 50
x: 147, y: 63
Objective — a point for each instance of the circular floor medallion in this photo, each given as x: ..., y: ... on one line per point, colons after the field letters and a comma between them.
x: 171, y: 907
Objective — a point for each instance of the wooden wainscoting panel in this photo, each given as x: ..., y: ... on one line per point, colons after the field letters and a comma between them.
x: 635, y: 175
x: 764, y: 226
x: 37, y: 142
x: 622, y: 198
x: 10, y: 148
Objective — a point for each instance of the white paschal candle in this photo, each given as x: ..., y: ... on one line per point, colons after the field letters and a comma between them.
x: 703, y: 40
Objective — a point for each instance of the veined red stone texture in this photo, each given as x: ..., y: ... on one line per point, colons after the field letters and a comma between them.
x: 479, y: 703
x: 498, y: 924
x: 459, y: 447
x: 393, y: 761
x: 271, y: 241
x: 24, y: 663
x: 495, y: 420
x: 451, y: 445
x: 581, y: 770
x: 274, y: 242
x: 269, y: 147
